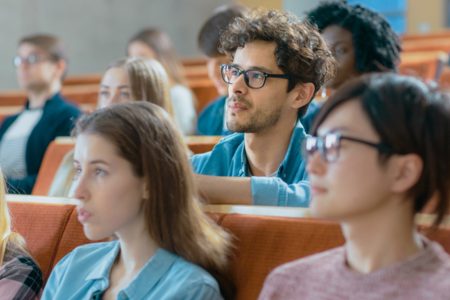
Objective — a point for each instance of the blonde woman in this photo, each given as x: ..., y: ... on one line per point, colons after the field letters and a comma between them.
x: 134, y: 181
x: 127, y: 79
x: 20, y: 276
x: 155, y: 44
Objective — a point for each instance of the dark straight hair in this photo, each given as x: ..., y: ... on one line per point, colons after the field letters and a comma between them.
x: 409, y: 118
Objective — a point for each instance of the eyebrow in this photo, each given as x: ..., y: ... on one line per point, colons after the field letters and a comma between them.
x: 93, y: 162
x: 253, y: 68
x: 119, y: 87
x: 335, y: 129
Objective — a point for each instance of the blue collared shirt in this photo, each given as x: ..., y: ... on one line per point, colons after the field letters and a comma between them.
x: 288, y: 186
x: 85, y: 272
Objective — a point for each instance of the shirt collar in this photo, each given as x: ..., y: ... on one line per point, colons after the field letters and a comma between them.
x: 292, y: 157
x: 102, y: 270
x: 150, y: 274
x: 56, y: 97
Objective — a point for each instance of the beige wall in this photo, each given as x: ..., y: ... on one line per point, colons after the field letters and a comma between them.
x: 277, y: 4
x: 425, y: 15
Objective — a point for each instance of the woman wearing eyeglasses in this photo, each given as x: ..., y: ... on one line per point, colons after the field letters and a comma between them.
x: 380, y: 151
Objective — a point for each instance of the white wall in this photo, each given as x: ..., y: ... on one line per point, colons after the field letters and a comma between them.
x: 299, y: 7
x: 96, y: 31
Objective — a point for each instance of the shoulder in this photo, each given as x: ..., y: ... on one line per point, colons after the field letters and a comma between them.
x: 192, y: 278
x: 19, y: 268
x: 85, y: 256
x: 308, y: 267
x: 222, y: 152
x: 214, y: 105
x: 62, y: 106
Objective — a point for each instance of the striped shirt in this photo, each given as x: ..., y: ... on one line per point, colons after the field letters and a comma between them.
x: 14, y: 144
x: 20, y: 276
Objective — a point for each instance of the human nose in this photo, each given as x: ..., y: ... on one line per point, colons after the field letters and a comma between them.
x: 316, y: 164
x: 79, y: 188
x: 239, y: 86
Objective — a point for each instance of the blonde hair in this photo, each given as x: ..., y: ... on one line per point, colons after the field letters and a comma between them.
x: 149, y: 141
x: 7, y: 236
x: 148, y: 81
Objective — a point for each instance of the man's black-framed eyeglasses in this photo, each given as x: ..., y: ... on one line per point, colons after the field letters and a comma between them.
x: 254, y: 79
x: 329, y: 145
x: 31, y: 59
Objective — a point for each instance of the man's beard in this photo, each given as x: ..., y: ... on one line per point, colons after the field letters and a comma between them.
x: 258, y: 120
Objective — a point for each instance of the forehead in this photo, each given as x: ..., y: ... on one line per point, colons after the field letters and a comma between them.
x: 349, y: 117
x: 334, y: 34
x: 257, y: 54
x: 115, y: 76
x: 93, y: 146
x: 25, y: 49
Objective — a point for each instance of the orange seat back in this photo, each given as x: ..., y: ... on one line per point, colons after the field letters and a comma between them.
x: 263, y: 243
x: 42, y: 226
x: 50, y: 164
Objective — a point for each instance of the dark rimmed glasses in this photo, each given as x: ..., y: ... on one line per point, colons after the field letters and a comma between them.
x: 329, y: 145
x: 31, y: 59
x: 254, y: 79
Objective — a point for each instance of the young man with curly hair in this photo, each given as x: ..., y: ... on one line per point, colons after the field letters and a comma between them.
x: 278, y: 64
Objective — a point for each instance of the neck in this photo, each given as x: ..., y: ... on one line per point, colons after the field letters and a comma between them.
x: 136, y: 248
x: 382, y: 237
x: 266, y: 150
x: 37, y: 98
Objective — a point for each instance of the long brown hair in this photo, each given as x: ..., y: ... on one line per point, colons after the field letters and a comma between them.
x: 160, y: 43
x: 145, y: 136
x: 148, y: 81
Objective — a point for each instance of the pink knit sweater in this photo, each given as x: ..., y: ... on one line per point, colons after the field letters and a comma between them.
x: 326, y: 276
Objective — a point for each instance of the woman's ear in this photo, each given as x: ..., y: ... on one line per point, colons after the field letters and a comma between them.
x: 407, y: 170
x: 145, y: 191
x: 301, y: 94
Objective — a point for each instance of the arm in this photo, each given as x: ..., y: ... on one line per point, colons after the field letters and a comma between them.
x: 225, y: 190
x: 20, y: 279
x: 271, y: 191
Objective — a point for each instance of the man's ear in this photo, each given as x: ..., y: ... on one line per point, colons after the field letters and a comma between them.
x: 406, y: 171
x: 61, y: 68
x: 301, y: 94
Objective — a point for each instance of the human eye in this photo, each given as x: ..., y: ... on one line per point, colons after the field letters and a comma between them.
x: 77, y: 172
x: 233, y: 71
x: 125, y: 95
x: 104, y: 93
x: 100, y: 172
x: 257, y: 75
x: 340, y: 50
x: 331, y: 145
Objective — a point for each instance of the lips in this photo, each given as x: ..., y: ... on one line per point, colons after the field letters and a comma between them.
x: 83, y: 215
x: 317, y: 190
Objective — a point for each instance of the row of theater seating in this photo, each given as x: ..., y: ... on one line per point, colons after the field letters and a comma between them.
x: 264, y: 237
x: 429, y: 64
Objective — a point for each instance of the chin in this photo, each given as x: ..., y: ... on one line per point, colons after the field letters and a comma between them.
x: 95, y: 234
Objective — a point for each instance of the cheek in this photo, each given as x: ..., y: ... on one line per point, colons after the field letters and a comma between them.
x: 352, y: 190
x: 115, y: 207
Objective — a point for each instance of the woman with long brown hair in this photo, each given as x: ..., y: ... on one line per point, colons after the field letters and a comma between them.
x: 134, y: 181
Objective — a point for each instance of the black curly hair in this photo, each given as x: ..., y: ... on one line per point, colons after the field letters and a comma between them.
x: 377, y: 46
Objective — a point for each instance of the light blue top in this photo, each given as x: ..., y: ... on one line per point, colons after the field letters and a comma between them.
x: 287, y: 187
x: 85, y: 271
